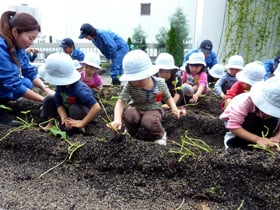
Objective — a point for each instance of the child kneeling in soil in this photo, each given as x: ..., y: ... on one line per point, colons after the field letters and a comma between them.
x: 73, y: 100
x: 144, y: 94
x: 253, y: 117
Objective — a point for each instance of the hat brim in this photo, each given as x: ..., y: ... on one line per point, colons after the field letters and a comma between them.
x: 259, y: 98
x: 83, y: 35
x: 61, y: 81
x: 91, y: 64
x: 240, y: 77
x: 227, y: 66
x: 168, y: 67
x: 63, y: 46
x: 215, y: 75
x: 196, y: 62
x: 140, y: 75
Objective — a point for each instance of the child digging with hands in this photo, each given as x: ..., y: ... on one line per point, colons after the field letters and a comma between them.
x: 252, y: 114
x: 143, y: 93
x: 73, y: 101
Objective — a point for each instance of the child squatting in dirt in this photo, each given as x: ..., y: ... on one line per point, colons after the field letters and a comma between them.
x: 144, y: 94
x: 73, y: 100
x: 253, y: 117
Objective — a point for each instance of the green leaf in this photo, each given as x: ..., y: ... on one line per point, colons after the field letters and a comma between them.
x: 56, y: 131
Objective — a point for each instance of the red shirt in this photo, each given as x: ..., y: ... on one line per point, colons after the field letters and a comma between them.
x: 235, y: 90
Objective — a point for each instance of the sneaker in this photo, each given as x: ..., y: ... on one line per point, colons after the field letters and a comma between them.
x: 162, y: 141
x: 228, y: 136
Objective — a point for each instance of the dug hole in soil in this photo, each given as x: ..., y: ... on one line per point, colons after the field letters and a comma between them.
x: 120, y: 172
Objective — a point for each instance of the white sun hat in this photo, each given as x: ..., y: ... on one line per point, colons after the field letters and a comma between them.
x: 197, y: 58
x: 277, y: 71
x: 60, y: 70
x: 266, y: 96
x: 165, y: 61
x: 217, y: 71
x: 77, y: 64
x: 235, y: 62
x: 92, y: 59
x: 137, y: 65
x: 253, y: 72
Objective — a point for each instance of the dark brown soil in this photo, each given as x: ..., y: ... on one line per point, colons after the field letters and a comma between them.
x: 120, y: 172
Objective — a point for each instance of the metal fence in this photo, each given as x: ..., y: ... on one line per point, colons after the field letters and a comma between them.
x: 47, y: 48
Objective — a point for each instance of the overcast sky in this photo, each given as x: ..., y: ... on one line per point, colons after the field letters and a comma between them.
x: 64, y: 18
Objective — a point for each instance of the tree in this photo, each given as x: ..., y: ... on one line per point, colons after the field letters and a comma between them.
x: 139, y: 38
x: 130, y: 44
x: 180, y: 25
x: 161, y: 38
x: 179, y: 21
x: 174, y: 45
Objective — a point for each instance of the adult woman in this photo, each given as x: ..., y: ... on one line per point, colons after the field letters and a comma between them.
x: 17, y: 76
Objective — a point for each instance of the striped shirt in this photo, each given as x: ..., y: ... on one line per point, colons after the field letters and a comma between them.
x: 146, y: 99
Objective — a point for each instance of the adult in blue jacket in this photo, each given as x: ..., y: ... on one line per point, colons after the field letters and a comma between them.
x: 270, y: 66
x: 17, y: 76
x: 206, y: 47
x: 69, y: 48
x: 112, y: 46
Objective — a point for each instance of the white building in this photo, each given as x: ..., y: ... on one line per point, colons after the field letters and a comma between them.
x: 61, y: 19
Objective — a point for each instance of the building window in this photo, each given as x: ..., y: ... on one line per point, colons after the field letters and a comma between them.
x: 146, y: 9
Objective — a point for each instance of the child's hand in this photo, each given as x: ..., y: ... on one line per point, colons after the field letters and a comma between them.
x: 194, y: 99
x: 115, y: 125
x: 265, y: 142
x: 179, y: 112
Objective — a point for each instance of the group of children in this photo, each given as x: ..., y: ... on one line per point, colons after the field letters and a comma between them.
x: 150, y: 89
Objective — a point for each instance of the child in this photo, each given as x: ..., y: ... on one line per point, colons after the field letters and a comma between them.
x: 89, y: 75
x: 252, y: 114
x: 234, y: 65
x: 194, y: 77
x: 252, y: 73
x: 168, y: 71
x: 143, y: 93
x: 217, y: 71
x: 73, y: 100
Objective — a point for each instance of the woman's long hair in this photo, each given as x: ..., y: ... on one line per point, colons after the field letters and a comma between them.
x: 22, y: 22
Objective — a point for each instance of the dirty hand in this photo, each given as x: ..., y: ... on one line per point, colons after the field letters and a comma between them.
x: 115, y: 125
x: 265, y: 142
x: 75, y: 123
x: 194, y: 99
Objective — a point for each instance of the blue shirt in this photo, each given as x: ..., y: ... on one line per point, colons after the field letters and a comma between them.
x: 210, y: 60
x: 269, y: 68
x: 227, y: 78
x: 76, y: 93
x: 12, y: 85
x: 78, y: 55
x: 109, y: 43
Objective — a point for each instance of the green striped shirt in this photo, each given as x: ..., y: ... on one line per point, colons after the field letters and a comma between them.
x: 146, y: 99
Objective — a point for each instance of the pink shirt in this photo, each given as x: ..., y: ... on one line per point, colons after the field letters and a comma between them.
x: 238, y: 109
x: 95, y: 82
x: 198, y: 79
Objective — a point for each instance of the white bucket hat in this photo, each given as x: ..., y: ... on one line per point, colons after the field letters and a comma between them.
x: 277, y: 71
x: 92, y: 59
x: 235, y: 62
x: 60, y: 70
x: 266, y: 96
x: 253, y: 72
x: 197, y: 58
x: 217, y: 71
x: 77, y: 64
x: 137, y: 65
x: 165, y: 61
